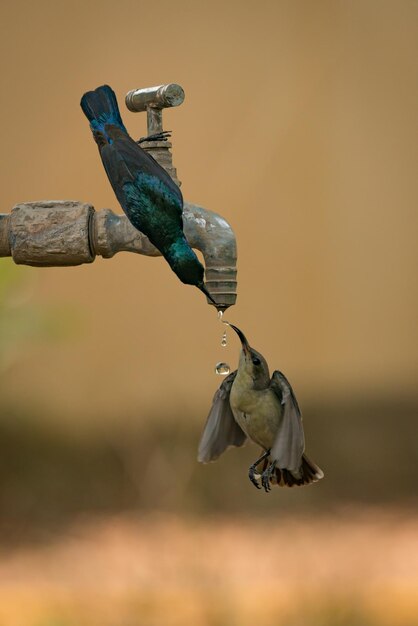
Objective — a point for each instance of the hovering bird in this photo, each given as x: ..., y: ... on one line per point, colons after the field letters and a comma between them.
x: 251, y: 404
x: 149, y: 197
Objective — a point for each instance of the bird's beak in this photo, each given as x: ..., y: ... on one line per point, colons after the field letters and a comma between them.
x: 207, y: 294
x: 245, y: 344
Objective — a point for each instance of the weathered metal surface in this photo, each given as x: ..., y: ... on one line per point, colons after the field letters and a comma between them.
x: 154, y: 120
x: 213, y: 236
x: 51, y: 233
x: 160, y: 151
x: 160, y: 97
x: 113, y: 233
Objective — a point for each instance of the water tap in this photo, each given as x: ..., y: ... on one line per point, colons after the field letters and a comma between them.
x: 68, y: 232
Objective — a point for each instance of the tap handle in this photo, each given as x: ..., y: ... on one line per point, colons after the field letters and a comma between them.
x: 160, y: 97
x: 153, y: 100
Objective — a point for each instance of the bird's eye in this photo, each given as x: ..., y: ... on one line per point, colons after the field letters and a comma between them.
x: 256, y: 361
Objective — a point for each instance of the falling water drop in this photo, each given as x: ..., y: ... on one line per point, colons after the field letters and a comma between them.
x: 222, y: 369
x: 223, y: 340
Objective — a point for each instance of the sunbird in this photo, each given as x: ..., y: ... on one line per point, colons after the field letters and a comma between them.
x: 151, y: 200
x: 251, y: 404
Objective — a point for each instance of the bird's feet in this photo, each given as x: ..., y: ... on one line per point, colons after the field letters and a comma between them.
x: 253, y: 475
x: 164, y: 135
x: 267, y: 475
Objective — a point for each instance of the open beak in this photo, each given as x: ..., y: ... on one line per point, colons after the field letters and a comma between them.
x: 245, y: 344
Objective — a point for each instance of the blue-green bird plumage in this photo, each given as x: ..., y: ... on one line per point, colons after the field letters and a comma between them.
x: 151, y: 200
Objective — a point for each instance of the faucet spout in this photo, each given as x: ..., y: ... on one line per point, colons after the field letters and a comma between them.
x: 213, y: 236
x: 205, y: 231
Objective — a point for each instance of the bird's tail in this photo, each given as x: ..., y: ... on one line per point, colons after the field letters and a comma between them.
x: 308, y: 473
x: 101, y: 107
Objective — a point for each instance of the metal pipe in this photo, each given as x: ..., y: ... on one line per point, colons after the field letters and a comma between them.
x: 63, y: 233
x: 154, y: 121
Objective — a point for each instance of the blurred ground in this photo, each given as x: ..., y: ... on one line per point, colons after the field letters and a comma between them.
x: 357, y: 568
x: 124, y: 528
x: 50, y: 474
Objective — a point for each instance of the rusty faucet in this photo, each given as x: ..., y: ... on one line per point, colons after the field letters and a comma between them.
x: 64, y: 233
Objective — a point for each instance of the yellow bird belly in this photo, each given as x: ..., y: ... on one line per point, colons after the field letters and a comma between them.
x: 258, y: 413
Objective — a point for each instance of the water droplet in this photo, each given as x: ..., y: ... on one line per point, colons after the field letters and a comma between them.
x: 222, y: 369
x: 220, y: 314
x: 224, y: 340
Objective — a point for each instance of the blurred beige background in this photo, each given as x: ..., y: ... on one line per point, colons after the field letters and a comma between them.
x: 299, y: 127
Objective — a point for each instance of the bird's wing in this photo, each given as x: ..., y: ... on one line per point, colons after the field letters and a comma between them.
x: 289, y: 444
x: 221, y: 430
x: 137, y: 160
x: 116, y: 169
x: 140, y: 183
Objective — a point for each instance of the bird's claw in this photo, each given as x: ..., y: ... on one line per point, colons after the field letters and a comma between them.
x: 162, y: 136
x: 266, y: 477
x: 265, y: 481
x: 253, y: 475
